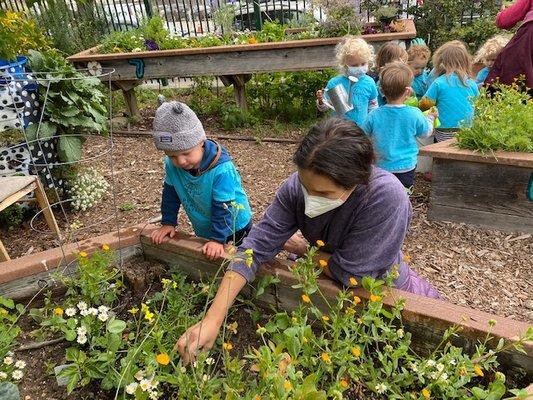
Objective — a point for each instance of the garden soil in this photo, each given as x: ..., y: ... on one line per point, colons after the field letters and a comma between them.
x: 486, y: 270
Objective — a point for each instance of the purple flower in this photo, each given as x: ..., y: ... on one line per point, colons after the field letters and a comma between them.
x: 369, y: 30
x: 151, y: 44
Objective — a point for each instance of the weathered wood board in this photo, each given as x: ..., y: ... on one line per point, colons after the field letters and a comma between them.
x: 490, y: 191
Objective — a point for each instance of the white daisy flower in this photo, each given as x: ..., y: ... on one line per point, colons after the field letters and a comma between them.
x: 17, y: 374
x: 139, y: 375
x: 82, y: 339
x: 82, y: 305
x: 84, y: 313
x: 205, y: 378
x: 3, y: 375
x: 431, y: 363
x: 20, y: 364
x: 82, y: 331
x: 444, y: 377
x: 145, y: 385
x: 440, y: 367
x: 381, y: 388
x: 93, y: 311
x: 183, y: 370
x: 131, y: 388
x: 70, y: 312
x: 103, y: 309
x: 103, y: 317
x: 209, y: 360
x: 154, y: 395
x: 400, y: 333
x: 8, y: 360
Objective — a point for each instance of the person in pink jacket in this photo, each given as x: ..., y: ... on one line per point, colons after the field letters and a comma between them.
x: 517, y: 57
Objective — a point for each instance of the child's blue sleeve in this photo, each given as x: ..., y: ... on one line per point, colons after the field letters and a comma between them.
x: 221, y: 208
x: 367, y: 125
x: 433, y: 92
x: 373, y: 97
x: 170, y: 205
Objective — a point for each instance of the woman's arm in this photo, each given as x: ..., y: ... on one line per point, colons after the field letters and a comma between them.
x: 510, y: 16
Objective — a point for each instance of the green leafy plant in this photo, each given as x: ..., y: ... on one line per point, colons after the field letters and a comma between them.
x: 128, y: 206
x: 75, y: 104
x: 503, y: 121
x: 11, y: 369
x: 19, y: 34
x: 13, y: 216
x: 224, y: 17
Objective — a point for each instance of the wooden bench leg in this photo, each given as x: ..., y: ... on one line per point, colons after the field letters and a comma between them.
x: 40, y: 195
x: 3, y: 253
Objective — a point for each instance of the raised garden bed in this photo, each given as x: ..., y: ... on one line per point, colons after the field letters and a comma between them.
x: 233, y: 64
x: 492, y: 190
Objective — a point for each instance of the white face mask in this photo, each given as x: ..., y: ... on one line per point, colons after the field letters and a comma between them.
x: 316, y: 205
x: 357, y: 71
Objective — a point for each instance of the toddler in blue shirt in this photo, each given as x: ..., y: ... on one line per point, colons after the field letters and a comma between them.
x: 487, y: 54
x: 199, y: 175
x: 418, y: 58
x: 395, y: 126
x: 388, y: 52
x: 353, y: 56
x: 453, y: 91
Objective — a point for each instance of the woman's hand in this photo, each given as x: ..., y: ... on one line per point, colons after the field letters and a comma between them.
x: 159, y: 235
x: 213, y: 250
x: 199, y: 337
x: 296, y: 244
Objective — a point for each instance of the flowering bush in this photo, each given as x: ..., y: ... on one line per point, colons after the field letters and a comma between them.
x: 19, y: 34
x: 87, y: 188
x: 11, y: 369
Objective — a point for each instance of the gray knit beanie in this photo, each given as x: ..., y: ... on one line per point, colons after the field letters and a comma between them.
x: 176, y: 127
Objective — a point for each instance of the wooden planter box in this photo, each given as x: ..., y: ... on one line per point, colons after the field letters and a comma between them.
x: 492, y: 190
x: 233, y: 64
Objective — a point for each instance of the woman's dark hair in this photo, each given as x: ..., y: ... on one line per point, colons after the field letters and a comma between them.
x: 338, y: 149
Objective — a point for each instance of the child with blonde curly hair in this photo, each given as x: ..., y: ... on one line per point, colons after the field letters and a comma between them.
x: 418, y: 57
x: 354, y: 56
x: 453, y: 90
x: 487, y: 54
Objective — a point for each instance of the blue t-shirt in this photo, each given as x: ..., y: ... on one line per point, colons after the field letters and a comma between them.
x: 393, y: 129
x: 222, y: 183
x: 361, y: 94
x: 420, y: 84
x: 381, y: 99
x: 482, y: 75
x: 453, y: 100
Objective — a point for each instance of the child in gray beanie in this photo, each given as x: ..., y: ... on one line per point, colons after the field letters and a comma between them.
x: 199, y: 175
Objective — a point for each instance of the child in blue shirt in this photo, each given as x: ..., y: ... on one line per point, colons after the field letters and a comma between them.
x: 418, y: 58
x: 453, y: 91
x: 353, y: 56
x: 389, y: 52
x: 395, y: 126
x: 200, y: 176
x: 487, y: 54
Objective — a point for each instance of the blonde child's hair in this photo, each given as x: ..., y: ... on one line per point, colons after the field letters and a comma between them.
x: 453, y: 57
x: 389, y: 52
x: 394, y: 78
x: 418, y: 51
x: 491, y: 47
x: 352, y: 45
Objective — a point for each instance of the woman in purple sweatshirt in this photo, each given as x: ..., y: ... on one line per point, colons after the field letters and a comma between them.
x: 359, y: 211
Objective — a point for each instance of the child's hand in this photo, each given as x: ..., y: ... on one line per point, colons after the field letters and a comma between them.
x: 320, y: 96
x: 159, y: 235
x: 213, y: 250
x: 433, y: 112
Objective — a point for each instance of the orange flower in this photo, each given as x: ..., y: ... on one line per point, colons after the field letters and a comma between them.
x: 257, y: 397
x: 320, y: 243
x: 406, y: 258
x: 162, y: 358
x: 252, y: 40
x: 58, y: 311
x: 426, y: 393
x: 227, y: 346
x: 105, y: 247
x: 322, y: 263
x: 353, y: 281
x: 478, y: 371
x: 83, y: 254
x: 344, y: 383
x: 287, y: 385
x: 356, y: 351
x: 325, y: 357
x: 356, y: 299
x: 374, y: 297
x: 305, y: 298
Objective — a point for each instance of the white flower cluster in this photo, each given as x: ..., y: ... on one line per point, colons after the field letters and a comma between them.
x: 146, y: 384
x: 87, y: 189
x: 19, y: 365
x: 102, y: 313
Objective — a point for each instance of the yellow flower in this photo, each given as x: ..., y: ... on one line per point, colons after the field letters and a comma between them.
x: 162, y: 358
x: 233, y: 327
x: 227, y: 346
x: 374, y: 297
x: 106, y: 247
x: 149, y: 316
x: 325, y: 318
x: 257, y: 397
x: 406, y: 258
x: 133, y: 310
x: 353, y: 281
x: 350, y: 311
x: 287, y: 385
x: 426, y: 393
x: 58, y: 311
x: 320, y: 243
x: 359, y: 320
x: 356, y: 351
x: 322, y: 263
x: 83, y: 254
x: 478, y: 371
x: 252, y: 40
x: 356, y: 300
x: 249, y: 252
x: 325, y: 357
x: 344, y: 383
x: 305, y: 298
x: 305, y: 340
